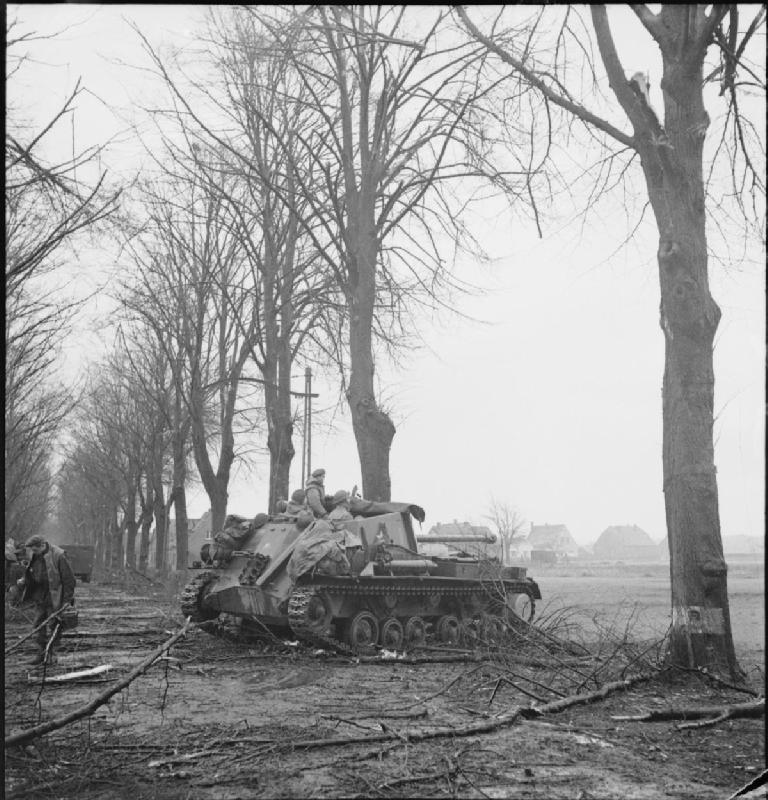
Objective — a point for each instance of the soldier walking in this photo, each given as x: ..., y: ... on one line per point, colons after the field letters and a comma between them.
x: 50, y: 584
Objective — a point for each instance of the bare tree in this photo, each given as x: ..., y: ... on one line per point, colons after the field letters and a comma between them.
x: 509, y: 524
x: 185, y: 254
x: 671, y: 150
x: 391, y: 129
x: 46, y: 212
x: 393, y: 101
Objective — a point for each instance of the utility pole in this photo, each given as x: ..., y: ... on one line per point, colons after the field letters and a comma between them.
x: 306, y: 449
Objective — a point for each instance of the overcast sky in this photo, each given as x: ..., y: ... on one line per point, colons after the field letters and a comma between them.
x: 551, y: 405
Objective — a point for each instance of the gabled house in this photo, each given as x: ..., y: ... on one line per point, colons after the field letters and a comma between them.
x: 625, y: 543
x: 553, y: 538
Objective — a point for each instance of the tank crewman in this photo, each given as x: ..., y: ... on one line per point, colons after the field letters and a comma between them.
x: 50, y: 583
x: 340, y: 510
x: 297, y: 503
x: 340, y: 513
x: 315, y: 494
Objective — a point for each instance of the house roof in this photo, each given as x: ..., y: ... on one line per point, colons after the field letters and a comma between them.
x: 458, y: 529
x: 550, y: 536
x: 623, y: 536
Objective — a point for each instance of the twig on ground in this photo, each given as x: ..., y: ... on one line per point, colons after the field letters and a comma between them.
x: 717, y: 679
x: 39, y: 730
x: 486, y: 726
x: 31, y: 633
x: 711, y: 714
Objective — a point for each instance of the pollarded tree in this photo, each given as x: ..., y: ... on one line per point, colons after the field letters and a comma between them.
x: 393, y: 99
x: 676, y: 164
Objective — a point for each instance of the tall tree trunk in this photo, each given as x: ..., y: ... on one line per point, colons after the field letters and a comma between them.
x: 372, y: 426
x: 277, y: 395
x: 672, y: 159
x: 146, y: 526
x: 161, y: 527
x: 179, y: 492
x: 131, y: 528
x: 182, y: 526
x: 701, y: 629
x: 216, y: 483
x: 106, y: 537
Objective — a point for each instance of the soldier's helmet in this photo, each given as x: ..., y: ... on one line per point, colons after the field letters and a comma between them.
x: 35, y: 541
x: 299, y: 496
x: 340, y: 497
x: 318, y: 473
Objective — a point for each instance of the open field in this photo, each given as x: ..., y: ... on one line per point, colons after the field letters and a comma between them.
x: 638, y: 595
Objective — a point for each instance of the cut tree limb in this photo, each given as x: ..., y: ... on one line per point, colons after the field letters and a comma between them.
x: 710, y: 714
x: 73, y: 676
x: 21, y: 737
x: 481, y: 727
x: 32, y: 632
x: 755, y: 783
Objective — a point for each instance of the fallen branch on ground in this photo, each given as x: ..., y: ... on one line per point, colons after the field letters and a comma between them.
x: 88, y: 709
x: 755, y: 783
x: 475, y: 728
x: 720, y: 681
x: 710, y: 714
x: 108, y: 633
x: 31, y: 633
x: 73, y: 676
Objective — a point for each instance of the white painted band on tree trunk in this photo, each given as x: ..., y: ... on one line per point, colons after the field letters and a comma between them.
x: 698, y: 619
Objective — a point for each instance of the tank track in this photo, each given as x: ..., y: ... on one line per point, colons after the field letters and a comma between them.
x: 298, y: 619
x: 298, y: 604
x: 191, y: 595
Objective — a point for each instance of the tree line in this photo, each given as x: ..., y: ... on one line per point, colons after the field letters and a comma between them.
x: 308, y: 175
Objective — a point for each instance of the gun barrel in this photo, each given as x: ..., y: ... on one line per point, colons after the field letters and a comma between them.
x: 454, y: 537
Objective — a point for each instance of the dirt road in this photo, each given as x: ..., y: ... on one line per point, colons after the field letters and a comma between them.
x: 219, y: 720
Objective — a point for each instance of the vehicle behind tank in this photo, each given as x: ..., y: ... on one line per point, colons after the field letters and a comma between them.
x: 377, y: 590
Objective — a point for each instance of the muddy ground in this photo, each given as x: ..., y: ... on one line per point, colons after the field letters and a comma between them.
x: 219, y: 720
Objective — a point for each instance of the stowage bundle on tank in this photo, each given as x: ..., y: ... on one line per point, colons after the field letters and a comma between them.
x: 353, y: 579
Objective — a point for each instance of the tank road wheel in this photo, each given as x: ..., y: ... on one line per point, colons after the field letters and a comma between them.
x: 516, y: 608
x: 449, y: 629
x: 363, y: 631
x: 522, y: 606
x: 415, y: 632
x: 192, y: 596
x: 392, y: 634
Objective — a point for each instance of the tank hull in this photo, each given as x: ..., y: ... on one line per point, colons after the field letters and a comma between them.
x: 380, y: 592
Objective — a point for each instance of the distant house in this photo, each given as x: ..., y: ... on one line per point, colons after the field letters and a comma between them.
x: 625, y: 543
x: 555, y: 538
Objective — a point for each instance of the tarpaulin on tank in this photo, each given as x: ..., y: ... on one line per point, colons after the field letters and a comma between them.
x: 321, y: 548
x: 361, y: 507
